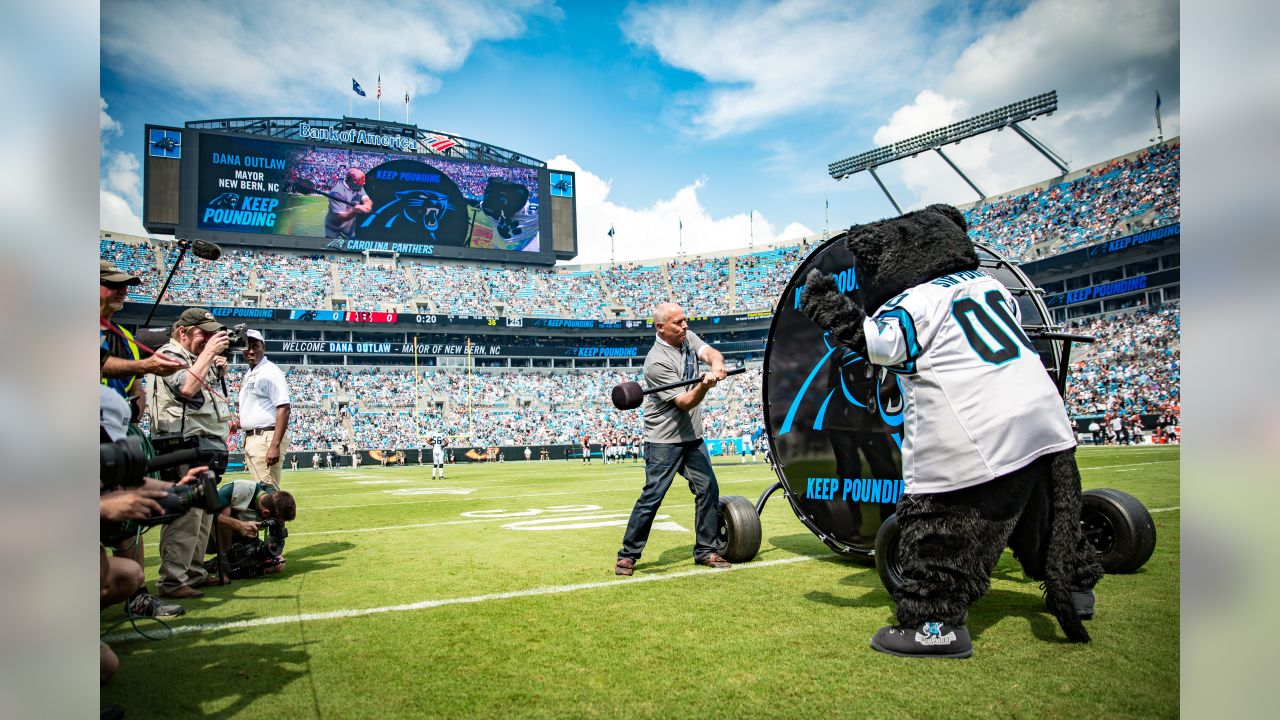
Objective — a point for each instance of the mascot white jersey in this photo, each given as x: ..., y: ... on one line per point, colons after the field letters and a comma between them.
x: 978, y: 402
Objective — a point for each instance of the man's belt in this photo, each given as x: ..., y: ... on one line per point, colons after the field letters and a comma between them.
x: 259, y: 431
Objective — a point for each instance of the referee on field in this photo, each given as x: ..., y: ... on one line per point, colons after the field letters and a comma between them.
x: 673, y: 438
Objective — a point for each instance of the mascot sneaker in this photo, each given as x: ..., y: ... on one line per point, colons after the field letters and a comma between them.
x: 930, y: 639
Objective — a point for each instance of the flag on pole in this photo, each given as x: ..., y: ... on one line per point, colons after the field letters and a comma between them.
x: 681, y: 223
x: 379, y: 86
x: 611, y: 231
x: 355, y: 86
x: 406, y: 97
x: 1159, y: 127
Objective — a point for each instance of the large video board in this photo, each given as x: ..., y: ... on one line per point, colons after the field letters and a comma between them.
x: 352, y: 200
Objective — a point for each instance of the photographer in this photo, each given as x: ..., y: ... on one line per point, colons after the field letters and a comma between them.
x: 247, y: 503
x: 189, y: 412
x: 120, y: 357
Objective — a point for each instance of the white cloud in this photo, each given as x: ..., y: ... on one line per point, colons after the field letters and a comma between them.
x: 1105, y: 60
x: 107, y: 125
x: 768, y: 61
x: 293, y: 57
x: 120, y: 194
x: 115, y: 215
x: 655, y: 231
x: 122, y: 177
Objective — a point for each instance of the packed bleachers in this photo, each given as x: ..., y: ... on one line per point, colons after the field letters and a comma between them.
x: 1119, y: 198
x: 639, y: 287
x: 762, y: 276
x: 701, y: 287
x: 373, y: 407
x: 138, y: 259
x: 1134, y: 366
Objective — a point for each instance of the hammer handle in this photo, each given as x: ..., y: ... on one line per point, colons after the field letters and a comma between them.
x: 679, y: 383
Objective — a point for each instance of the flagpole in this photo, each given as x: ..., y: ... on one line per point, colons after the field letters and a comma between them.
x: 752, y: 224
x: 379, y: 96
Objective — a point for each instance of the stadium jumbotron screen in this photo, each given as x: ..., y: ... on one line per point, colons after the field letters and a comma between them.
x: 416, y: 204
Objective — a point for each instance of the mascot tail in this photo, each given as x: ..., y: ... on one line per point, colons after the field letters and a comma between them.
x: 1063, y: 554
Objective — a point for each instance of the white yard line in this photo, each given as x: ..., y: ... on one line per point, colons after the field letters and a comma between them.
x: 428, y: 604
x: 635, y: 490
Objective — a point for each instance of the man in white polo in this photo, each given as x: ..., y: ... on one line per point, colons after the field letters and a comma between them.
x: 264, y: 412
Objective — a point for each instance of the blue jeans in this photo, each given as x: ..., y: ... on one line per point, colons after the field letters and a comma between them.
x: 661, y: 463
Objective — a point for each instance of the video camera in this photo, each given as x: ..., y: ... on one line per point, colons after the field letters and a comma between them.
x: 251, y: 557
x: 124, y: 464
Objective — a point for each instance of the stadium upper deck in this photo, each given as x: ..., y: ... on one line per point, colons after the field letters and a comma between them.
x: 1117, y: 198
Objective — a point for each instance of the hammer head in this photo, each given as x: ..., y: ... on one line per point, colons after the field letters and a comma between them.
x: 627, y: 396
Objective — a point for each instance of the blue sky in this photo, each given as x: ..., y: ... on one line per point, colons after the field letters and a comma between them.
x: 719, y: 115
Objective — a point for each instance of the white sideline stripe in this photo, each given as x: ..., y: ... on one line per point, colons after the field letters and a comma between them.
x: 1103, y: 467
x: 427, y: 604
x: 499, y: 497
x: 464, y: 522
x: 378, y: 529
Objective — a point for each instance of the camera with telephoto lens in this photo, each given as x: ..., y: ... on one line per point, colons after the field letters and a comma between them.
x: 124, y: 464
x: 236, y: 341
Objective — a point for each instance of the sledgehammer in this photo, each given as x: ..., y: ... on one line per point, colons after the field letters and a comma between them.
x: 629, y: 395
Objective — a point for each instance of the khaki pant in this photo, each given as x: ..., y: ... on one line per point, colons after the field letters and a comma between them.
x: 255, y: 457
x: 182, y: 545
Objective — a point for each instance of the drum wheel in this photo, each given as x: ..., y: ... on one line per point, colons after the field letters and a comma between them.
x: 888, y: 564
x: 739, y: 527
x: 1119, y: 527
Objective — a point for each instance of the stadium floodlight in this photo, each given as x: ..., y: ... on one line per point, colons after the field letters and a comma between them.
x: 1005, y: 117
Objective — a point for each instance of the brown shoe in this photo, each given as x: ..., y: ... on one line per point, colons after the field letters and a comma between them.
x: 184, y: 592
x: 713, y: 560
x: 625, y: 566
x: 212, y: 580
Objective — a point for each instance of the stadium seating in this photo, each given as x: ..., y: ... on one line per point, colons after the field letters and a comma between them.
x: 1134, y: 366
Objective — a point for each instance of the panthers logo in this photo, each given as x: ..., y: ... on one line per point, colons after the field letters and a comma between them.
x: 425, y: 208
x: 225, y: 201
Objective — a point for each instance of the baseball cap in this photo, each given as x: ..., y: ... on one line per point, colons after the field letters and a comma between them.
x: 255, y: 335
x: 199, y: 317
x: 113, y: 413
x: 108, y: 272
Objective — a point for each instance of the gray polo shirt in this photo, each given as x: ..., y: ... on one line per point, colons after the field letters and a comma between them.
x: 333, y: 227
x: 663, y: 421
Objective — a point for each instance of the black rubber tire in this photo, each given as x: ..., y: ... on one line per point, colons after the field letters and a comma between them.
x: 888, y: 567
x: 739, y: 528
x: 1119, y: 528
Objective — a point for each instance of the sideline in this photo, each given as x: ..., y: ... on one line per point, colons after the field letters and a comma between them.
x: 427, y: 604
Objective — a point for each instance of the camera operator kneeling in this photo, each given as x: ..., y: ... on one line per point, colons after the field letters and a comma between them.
x: 253, y: 507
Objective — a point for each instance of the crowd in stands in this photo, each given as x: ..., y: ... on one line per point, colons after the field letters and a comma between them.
x: 639, y: 287
x: 1115, y: 199
x: 1119, y: 198
x: 1134, y: 366
x: 762, y: 276
x: 701, y: 286
x: 377, y: 408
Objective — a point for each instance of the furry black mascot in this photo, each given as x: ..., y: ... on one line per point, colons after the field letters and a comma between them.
x: 988, y: 454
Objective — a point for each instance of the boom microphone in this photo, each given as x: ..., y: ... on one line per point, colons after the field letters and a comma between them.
x: 206, y: 250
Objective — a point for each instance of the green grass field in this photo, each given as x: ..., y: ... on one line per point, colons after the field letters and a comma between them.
x: 492, y: 594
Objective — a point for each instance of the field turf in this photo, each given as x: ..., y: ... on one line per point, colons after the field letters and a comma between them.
x: 492, y: 594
